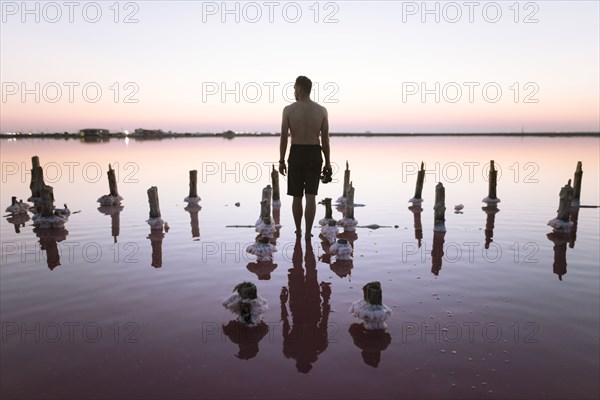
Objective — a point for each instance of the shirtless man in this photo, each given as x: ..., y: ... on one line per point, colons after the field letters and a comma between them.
x: 306, y: 120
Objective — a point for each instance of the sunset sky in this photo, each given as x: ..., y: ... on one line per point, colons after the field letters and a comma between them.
x: 387, y: 66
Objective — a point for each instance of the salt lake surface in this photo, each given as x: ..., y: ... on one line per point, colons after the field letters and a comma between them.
x: 105, y: 309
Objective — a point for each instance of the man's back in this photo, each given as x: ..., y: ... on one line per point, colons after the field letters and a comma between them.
x: 306, y: 120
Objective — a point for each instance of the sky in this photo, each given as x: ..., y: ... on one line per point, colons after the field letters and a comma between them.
x: 378, y: 66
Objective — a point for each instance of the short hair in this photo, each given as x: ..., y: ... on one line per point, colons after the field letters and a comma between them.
x: 304, y: 84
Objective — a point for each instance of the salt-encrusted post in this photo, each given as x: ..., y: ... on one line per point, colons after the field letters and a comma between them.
x: 112, y: 182
x: 561, y: 223
x: 155, y: 221
x: 46, y: 201
x: 372, y: 293
x: 492, y: 182
x: 577, y: 184
x: 350, y: 202
x: 439, y: 208
x: 113, y: 198
x: 275, y: 182
x: 419, y: 186
x: 328, y: 212
x: 193, y: 192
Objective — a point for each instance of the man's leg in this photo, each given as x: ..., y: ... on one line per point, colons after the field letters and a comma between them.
x: 297, y: 212
x: 311, y: 209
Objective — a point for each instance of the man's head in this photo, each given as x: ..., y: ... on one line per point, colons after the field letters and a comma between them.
x: 302, y: 87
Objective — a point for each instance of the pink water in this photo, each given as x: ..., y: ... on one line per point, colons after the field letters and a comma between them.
x: 495, y: 323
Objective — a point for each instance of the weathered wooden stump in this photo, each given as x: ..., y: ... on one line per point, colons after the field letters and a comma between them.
x: 577, y: 184
x: 193, y: 185
x: 492, y: 183
x: 419, y: 185
x: 350, y: 202
x: 372, y: 293
x: 37, y: 180
x: 275, y: 182
x: 46, y: 201
x: 342, y: 198
x: 155, y: 221
x: 112, y: 198
x: 440, y: 208
x: 561, y: 223
x: 328, y: 212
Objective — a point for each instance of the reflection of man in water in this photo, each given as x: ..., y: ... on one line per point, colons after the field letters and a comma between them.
x: 305, y: 120
x: 307, y: 337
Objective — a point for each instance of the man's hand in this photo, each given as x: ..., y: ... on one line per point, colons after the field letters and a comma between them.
x: 282, y: 168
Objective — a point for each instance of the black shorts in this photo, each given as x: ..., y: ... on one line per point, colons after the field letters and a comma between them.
x: 304, y: 169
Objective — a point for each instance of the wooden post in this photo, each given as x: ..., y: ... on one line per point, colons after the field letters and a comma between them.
x: 112, y: 182
x: 420, y: 179
x: 440, y: 204
x: 13, y: 200
x: 493, y: 176
x: 564, y: 205
x: 37, y: 177
x: 275, y: 182
x: 193, y: 183
x: 350, y: 202
x: 346, y: 180
x: 156, y: 239
x: 577, y: 183
x: 328, y: 211
x: 46, y: 201
x: 153, y: 201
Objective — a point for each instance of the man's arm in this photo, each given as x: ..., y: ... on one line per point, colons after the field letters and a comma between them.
x: 325, y: 138
x: 285, y: 127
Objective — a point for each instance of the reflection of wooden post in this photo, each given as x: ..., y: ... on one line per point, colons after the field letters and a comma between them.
x: 47, y: 201
x: 153, y: 201
x: 416, y: 210
x: 156, y: 238
x: 491, y: 211
x: 493, y: 176
x: 440, y: 204
x: 420, y: 179
x: 560, y: 240
x: 275, y: 181
x: 115, y: 225
x: 437, y: 252
x: 194, y: 209
x: 112, y: 182
x: 350, y: 202
x: 577, y: 184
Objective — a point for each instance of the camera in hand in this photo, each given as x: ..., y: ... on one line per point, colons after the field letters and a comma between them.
x: 326, y: 175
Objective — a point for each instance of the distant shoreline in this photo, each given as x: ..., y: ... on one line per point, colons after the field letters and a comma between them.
x: 119, y: 135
